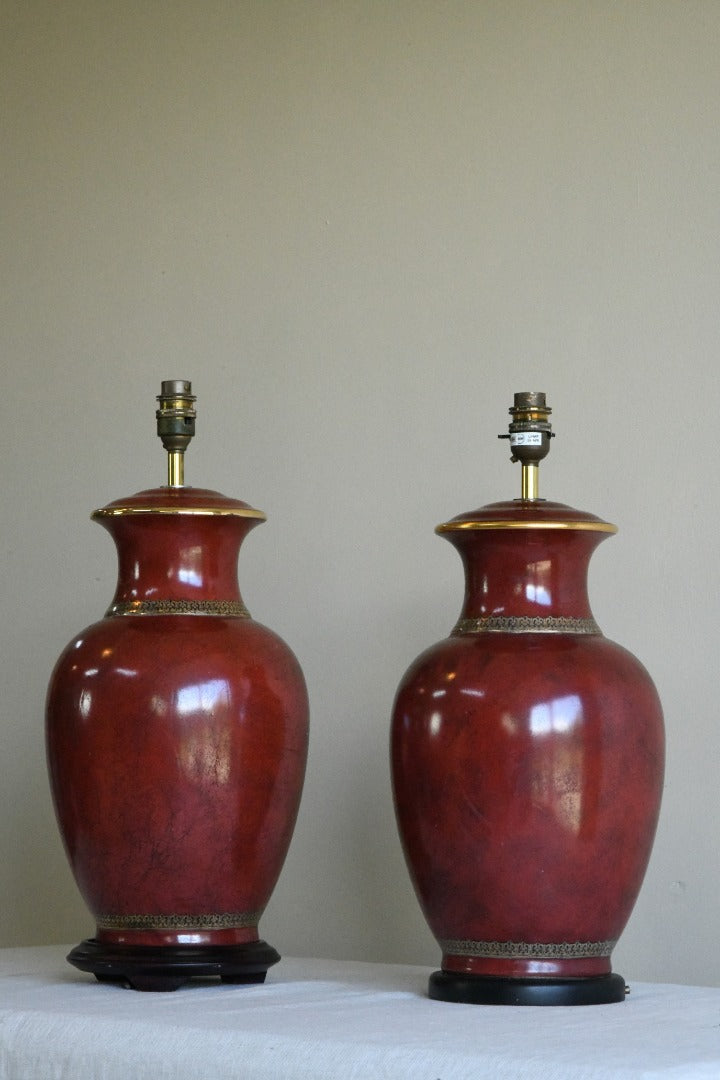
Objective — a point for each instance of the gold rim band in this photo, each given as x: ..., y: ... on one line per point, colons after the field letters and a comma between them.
x: 181, y: 511
x: 575, y: 526
x: 230, y: 920
x: 229, y: 609
x: 520, y: 950
x: 526, y: 624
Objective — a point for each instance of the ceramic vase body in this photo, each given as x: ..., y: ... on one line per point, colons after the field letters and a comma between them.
x: 176, y: 741
x: 527, y: 758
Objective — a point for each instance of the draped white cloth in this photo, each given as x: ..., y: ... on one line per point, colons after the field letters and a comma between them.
x: 336, y: 1020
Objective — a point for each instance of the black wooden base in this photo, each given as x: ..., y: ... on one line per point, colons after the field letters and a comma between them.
x: 481, y: 990
x: 166, y: 967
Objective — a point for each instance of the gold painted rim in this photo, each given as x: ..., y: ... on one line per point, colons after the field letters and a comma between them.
x: 576, y: 526
x: 180, y: 511
x: 226, y: 920
x: 521, y: 950
x: 226, y: 609
x: 525, y: 624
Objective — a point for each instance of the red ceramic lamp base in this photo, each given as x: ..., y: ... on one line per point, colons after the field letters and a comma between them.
x: 147, y: 967
x: 492, y: 990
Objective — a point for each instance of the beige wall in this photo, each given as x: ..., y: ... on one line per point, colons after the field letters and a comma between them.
x: 359, y: 227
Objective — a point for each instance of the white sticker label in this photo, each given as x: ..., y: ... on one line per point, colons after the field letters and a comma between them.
x: 526, y: 438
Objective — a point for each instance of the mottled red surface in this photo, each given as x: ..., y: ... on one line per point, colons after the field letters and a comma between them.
x: 527, y: 767
x: 177, y: 743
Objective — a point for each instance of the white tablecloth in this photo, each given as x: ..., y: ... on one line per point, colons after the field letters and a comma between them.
x: 333, y: 1020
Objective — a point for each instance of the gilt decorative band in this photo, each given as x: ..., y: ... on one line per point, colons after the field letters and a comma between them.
x: 526, y: 624
x: 532, y: 950
x: 230, y: 920
x: 234, y: 609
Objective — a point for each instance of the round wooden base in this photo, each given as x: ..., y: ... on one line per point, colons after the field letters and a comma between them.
x: 481, y: 990
x: 167, y: 967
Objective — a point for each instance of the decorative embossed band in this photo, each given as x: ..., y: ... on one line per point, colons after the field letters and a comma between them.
x: 520, y: 950
x: 234, y: 609
x: 231, y: 920
x: 526, y: 624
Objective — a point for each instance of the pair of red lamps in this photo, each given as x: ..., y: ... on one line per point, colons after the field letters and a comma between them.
x: 527, y: 750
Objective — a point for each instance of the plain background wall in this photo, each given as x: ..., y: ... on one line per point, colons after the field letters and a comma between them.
x: 358, y: 227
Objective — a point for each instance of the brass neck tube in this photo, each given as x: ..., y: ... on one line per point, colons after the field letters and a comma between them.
x: 176, y: 468
x: 529, y: 480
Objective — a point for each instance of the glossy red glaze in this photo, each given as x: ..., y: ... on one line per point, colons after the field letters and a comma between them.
x: 177, y: 742
x: 527, y: 766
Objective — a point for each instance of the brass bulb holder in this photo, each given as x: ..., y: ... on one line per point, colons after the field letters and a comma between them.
x: 529, y: 433
x: 176, y: 425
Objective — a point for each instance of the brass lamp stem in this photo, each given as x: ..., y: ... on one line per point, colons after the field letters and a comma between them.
x: 176, y: 468
x: 529, y: 480
x: 176, y: 426
x: 529, y: 433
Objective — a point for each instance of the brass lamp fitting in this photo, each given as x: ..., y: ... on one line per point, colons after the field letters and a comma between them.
x: 529, y: 433
x: 176, y: 425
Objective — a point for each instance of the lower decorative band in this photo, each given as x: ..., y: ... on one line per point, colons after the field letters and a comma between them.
x: 234, y: 609
x: 526, y: 624
x: 228, y: 920
x: 522, y: 950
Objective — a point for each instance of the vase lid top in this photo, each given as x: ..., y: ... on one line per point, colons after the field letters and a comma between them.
x: 529, y: 433
x: 526, y: 514
x: 176, y: 427
x: 185, y: 500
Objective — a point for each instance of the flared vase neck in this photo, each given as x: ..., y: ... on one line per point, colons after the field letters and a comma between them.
x: 178, y: 551
x: 526, y: 565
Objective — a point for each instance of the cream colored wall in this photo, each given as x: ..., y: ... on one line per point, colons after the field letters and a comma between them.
x: 359, y: 227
